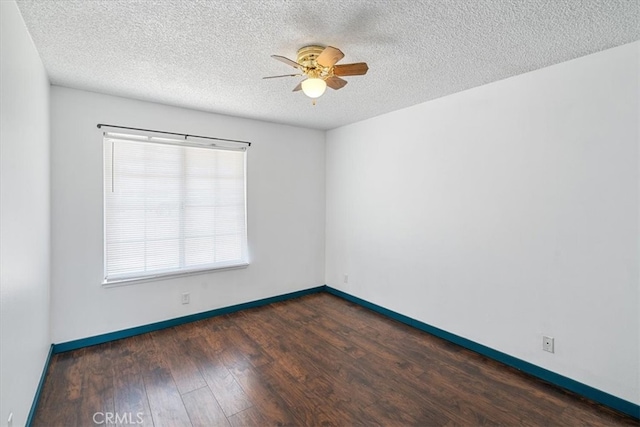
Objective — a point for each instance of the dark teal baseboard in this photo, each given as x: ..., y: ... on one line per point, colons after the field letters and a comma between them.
x: 589, y: 392
x: 138, y: 330
x: 36, y: 398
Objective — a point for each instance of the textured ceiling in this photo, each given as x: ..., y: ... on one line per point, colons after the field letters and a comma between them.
x: 211, y: 55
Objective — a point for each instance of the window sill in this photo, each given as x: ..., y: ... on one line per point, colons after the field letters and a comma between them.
x: 135, y: 280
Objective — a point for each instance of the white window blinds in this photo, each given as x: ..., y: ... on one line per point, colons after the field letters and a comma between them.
x: 172, y: 208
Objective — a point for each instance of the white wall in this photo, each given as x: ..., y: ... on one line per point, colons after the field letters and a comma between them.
x: 503, y: 213
x: 285, y: 216
x: 24, y: 217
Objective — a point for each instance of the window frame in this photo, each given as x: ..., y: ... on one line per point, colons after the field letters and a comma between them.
x: 141, y: 277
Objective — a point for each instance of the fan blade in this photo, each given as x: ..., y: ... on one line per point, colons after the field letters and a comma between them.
x: 297, y: 88
x: 287, y: 61
x: 329, y: 56
x: 336, y: 82
x: 284, y: 75
x: 356, y: 69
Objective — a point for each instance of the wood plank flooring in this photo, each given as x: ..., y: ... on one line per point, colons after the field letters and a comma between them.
x: 315, y: 360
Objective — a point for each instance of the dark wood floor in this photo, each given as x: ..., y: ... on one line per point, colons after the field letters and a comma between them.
x: 316, y: 360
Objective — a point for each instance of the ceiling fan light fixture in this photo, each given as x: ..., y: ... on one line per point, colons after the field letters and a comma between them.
x: 314, y: 87
x: 318, y: 64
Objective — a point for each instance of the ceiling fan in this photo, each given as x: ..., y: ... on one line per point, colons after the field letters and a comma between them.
x: 318, y: 64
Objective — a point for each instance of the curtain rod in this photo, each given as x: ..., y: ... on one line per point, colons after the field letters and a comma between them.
x: 100, y: 125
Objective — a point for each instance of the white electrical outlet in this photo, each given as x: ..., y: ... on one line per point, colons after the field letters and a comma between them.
x: 10, y: 420
x: 547, y: 344
x: 186, y: 298
x: 346, y: 278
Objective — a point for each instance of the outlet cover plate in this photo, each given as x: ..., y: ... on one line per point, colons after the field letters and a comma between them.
x: 186, y: 298
x: 547, y: 344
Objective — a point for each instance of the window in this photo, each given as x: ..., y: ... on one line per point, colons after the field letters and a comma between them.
x: 172, y: 207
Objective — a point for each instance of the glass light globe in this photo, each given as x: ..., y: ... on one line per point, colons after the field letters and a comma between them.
x: 314, y: 88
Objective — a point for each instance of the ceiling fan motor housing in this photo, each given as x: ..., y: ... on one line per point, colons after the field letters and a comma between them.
x: 307, y: 57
